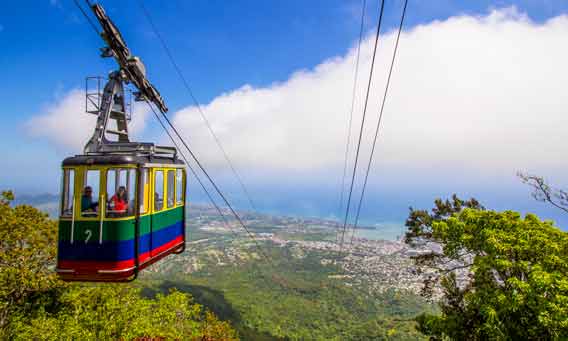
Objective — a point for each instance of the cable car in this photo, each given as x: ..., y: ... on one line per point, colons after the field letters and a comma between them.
x: 122, y: 202
x: 120, y: 213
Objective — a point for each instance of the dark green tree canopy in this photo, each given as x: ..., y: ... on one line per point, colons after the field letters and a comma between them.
x: 517, y: 273
x: 27, y: 257
x: 419, y: 222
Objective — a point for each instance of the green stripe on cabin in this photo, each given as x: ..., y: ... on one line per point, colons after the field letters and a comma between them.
x: 116, y: 230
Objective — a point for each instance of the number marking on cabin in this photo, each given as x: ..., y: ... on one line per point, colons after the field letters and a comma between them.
x: 89, y: 233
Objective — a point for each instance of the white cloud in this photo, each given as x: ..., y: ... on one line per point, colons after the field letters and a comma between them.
x: 476, y: 95
x: 65, y: 124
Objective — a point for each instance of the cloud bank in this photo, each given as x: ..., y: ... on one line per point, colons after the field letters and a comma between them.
x: 475, y: 96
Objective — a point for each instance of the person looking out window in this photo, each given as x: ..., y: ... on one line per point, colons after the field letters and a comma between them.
x: 87, y: 203
x: 119, y: 201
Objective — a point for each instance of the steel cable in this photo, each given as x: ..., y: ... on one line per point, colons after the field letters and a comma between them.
x: 379, y: 121
x: 362, y: 126
x: 219, y: 192
x: 347, y: 145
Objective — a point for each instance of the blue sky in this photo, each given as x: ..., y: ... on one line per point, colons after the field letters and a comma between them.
x: 48, y: 48
x: 220, y: 45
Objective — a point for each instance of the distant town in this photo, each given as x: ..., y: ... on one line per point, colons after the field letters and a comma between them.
x: 376, y: 265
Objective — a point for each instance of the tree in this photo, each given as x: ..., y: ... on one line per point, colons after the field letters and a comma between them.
x: 112, y: 312
x: 516, y: 280
x: 35, y: 304
x: 27, y: 255
x: 419, y: 222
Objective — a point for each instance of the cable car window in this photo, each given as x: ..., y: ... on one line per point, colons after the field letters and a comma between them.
x: 179, y: 186
x: 111, y: 182
x: 159, y: 190
x: 171, y: 189
x: 90, y: 193
x: 131, y: 190
x: 121, y: 191
x: 144, y: 191
x: 67, y: 192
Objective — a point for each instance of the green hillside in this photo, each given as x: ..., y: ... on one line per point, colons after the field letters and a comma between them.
x: 294, y: 299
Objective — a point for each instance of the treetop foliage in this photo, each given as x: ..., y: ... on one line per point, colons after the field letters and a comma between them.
x: 516, y: 281
x: 27, y: 256
x: 106, y: 312
x: 419, y: 222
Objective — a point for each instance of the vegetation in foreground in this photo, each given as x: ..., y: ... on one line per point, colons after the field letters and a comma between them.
x: 34, y: 304
x: 517, y: 284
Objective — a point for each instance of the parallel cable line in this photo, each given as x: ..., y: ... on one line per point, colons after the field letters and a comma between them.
x: 196, y: 103
x: 219, y: 192
x: 379, y: 121
x: 223, y: 217
x: 362, y: 125
x: 217, y: 208
x: 194, y: 173
x: 342, y: 188
x: 86, y: 16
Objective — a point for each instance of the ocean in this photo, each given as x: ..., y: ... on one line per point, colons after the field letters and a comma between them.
x: 384, y: 230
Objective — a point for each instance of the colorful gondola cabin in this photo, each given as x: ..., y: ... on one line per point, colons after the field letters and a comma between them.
x: 102, y: 241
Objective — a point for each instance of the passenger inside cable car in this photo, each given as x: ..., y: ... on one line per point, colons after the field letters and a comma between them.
x: 118, y: 203
x: 87, y: 203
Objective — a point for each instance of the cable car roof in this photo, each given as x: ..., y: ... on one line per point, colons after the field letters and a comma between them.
x: 119, y: 159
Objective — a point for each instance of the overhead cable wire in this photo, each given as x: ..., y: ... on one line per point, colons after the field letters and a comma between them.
x: 362, y: 125
x: 210, y: 179
x: 257, y: 245
x: 196, y: 103
x: 379, y: 121
x: 86, y: 16
x: 218, y: 209
x: 194, y: 173
x: 342, y: 188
